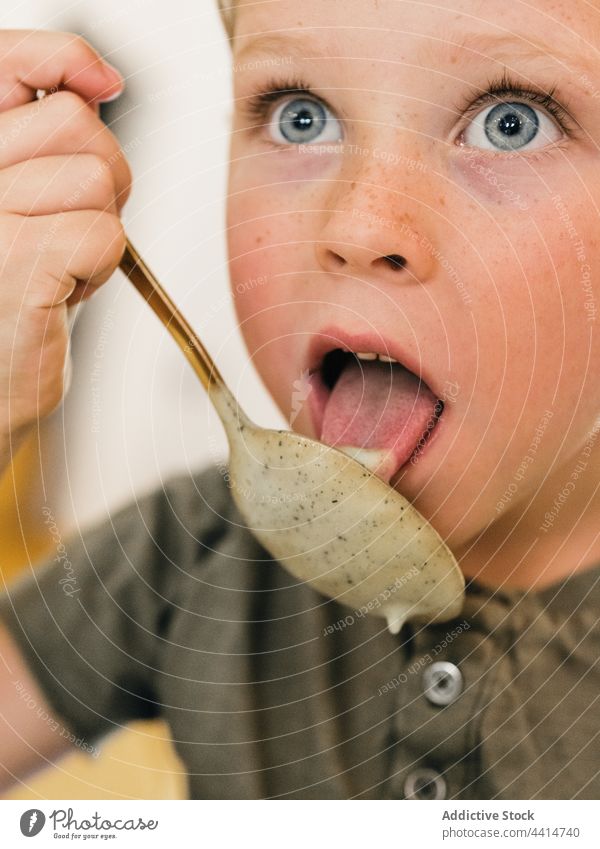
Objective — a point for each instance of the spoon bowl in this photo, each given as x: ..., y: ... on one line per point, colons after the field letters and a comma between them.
x: 320, y: 512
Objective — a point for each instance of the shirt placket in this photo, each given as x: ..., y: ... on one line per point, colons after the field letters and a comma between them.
x: 440, y: 696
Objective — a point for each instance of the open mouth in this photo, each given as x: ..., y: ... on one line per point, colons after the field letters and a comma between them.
x: 370, y: 400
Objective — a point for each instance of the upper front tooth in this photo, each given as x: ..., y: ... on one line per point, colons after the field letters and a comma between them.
x: 362, y: 355
x: 385, y: 359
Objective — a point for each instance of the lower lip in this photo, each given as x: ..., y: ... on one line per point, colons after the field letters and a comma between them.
x: 317, y: 401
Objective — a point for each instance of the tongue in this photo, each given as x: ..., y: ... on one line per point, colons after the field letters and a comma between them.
x: 380, y: 406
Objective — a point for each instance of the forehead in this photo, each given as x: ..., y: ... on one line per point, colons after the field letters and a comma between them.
x: 571, y: 26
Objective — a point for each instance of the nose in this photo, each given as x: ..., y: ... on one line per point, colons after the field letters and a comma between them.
x: 371, y: 229
x: 356, y: 257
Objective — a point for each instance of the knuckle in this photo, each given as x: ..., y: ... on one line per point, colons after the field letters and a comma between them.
x: 73, y: 122
x: 97, y: 177
x: 76, y: 45
x: 125, y: 188
x: 93, y: 163
x: 113, y: 232
x: 68, y: 105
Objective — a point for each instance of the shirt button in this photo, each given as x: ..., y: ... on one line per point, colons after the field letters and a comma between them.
x: 424, y: 783
x: 442, y: 682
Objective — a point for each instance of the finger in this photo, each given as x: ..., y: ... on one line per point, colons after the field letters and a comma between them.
x: 40, y: 59
x: 84, y: 289
x: 78, y: 247
x: 61, y: 124
x: 51, y: 184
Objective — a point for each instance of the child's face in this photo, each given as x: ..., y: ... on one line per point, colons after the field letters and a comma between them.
x: 493, y: 207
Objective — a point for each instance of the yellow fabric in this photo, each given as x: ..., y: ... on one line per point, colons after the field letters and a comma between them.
x: 23, y: 539
x: 137, y: 763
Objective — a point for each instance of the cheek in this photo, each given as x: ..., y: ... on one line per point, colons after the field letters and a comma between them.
x: 535, y: 304
x: 270, y: 196
x: 489, y: 180
x: 269, y: 241
x: 536, y: 241
x: 269, y: 246
x: 262, y: 258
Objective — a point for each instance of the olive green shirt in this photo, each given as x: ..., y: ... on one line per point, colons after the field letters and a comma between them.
x: 172, y: 609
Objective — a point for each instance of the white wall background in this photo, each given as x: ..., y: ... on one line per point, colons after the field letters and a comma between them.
x: 135, y: 412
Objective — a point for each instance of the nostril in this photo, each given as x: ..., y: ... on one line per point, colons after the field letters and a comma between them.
x: 395, y: 261
x: 336, y: 258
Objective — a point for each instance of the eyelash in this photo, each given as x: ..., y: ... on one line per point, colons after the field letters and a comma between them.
x: 257, y: 106
x: 504, y: 89
x: 259, y: 103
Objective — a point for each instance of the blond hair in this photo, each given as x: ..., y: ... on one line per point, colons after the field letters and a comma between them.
x: 227, y: 12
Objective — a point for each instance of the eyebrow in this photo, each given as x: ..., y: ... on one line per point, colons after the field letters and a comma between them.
x: 507, y: 47
x: 477, y: 47
x: 273, y: 45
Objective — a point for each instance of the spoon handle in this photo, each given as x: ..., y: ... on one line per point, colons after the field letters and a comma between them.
x: 149, y: 288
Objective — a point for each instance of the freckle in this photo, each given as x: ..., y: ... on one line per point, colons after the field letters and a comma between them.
x: 442, y: 201
x: 259, y: 240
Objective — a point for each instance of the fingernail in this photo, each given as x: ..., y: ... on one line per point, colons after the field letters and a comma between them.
x: 111, y: 69
x: 109, y: 98
x: 115, y: 77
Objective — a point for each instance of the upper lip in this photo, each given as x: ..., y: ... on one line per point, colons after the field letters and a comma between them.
x: 330, y: 338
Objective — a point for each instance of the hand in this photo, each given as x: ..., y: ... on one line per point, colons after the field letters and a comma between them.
x: 63, y: 182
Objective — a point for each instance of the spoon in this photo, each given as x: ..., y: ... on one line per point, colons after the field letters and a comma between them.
x: 320, y: 511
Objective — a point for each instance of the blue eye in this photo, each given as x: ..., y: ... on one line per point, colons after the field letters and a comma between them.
x: 511, y: 126
x: 303, y: 120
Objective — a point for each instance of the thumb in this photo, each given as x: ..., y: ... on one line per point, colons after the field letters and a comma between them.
x: 31, y: 60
